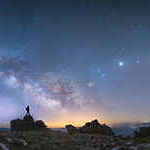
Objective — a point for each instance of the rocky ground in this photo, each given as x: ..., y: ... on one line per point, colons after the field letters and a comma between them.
x: 56, y: 140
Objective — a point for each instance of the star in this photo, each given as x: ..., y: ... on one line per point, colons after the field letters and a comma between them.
x: 121, y: 63
x: 138, y: 61
x: 104, y: 76
x: 99, y: 70
x: 91, y: 84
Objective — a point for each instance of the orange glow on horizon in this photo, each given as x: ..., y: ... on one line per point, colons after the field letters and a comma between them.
x: 78, y: 119
x: 74, y: 123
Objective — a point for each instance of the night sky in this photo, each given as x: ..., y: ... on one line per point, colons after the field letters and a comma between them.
x: 76, y: 60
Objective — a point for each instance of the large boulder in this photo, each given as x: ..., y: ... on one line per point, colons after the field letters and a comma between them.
x: 95, y: 127
x: 27, y: 124
x: 23, y: 125
x: 40, y: 124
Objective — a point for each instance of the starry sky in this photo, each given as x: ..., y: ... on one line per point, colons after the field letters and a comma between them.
x: 73, y: 61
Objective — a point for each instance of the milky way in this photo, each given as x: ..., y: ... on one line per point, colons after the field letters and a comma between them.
x: 50, y: 95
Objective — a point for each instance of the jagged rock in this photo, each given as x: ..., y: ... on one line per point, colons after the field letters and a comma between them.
x: 95, y: 127
x: 71, y: 129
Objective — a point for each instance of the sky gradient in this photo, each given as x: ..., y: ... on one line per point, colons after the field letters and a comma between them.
x: 73, y: 61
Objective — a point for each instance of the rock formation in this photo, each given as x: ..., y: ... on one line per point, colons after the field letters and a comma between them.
x: 93, y: 127
x: 27, y: 123
x: 40, y: 124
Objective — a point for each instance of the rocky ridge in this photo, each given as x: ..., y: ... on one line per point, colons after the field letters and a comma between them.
x: 47, y: 139
x: 93, y: 127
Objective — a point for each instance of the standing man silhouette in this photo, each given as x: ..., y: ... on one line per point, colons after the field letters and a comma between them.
x: 28, y: 110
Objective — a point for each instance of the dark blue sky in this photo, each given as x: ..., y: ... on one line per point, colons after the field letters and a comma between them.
x: 101, y: 48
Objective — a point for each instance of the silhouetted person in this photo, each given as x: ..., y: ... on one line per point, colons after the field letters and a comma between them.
x: 28, y: 109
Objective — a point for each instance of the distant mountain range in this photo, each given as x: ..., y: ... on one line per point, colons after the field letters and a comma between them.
x: 146, y: 124
x: 127, y: 129
x: 4, y: 129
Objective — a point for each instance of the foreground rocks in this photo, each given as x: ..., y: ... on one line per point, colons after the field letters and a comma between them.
x: 47, y: 139
x: 27, y: 124
x: 93, y: 127
x: 27, y: 134
x: 23, y: 125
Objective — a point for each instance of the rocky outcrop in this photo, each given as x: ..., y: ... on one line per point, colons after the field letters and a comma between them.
x: 93, y: 127
x: 26, y: 124
x: 40, y: 124
x: 23, y: 125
